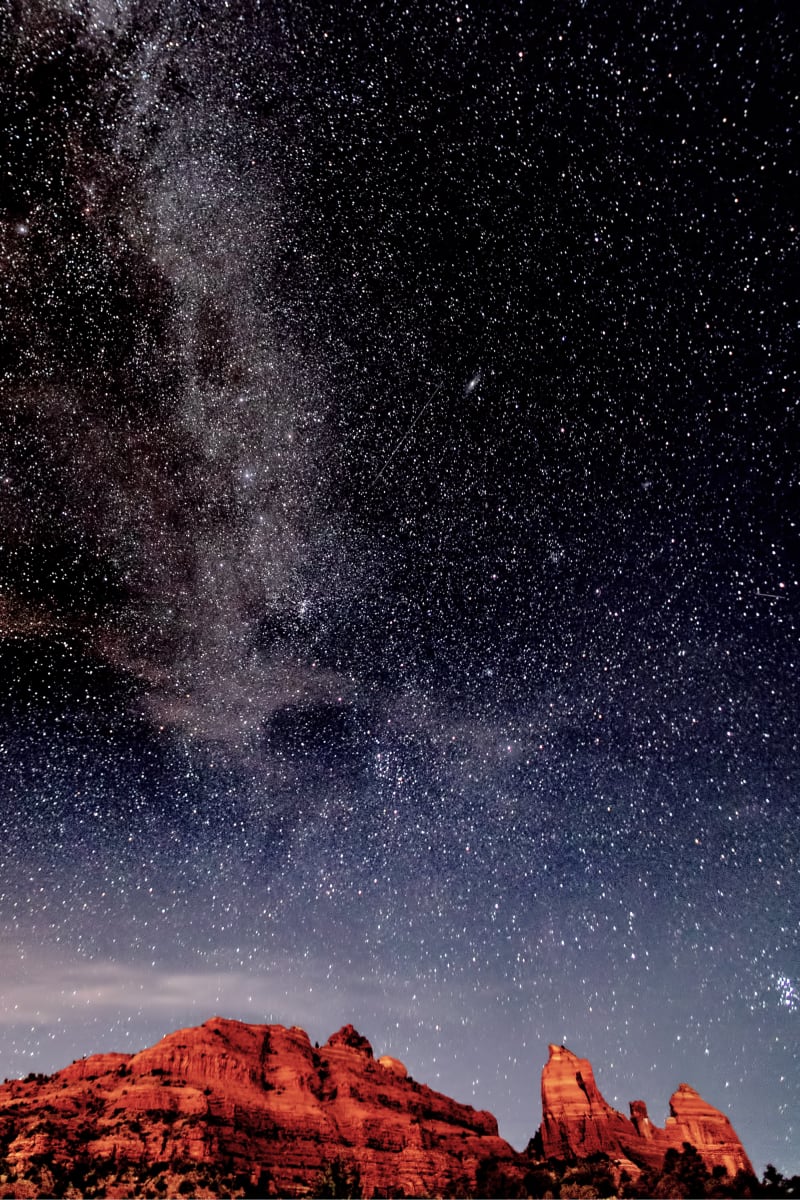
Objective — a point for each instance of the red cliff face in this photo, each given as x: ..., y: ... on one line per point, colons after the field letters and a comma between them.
x: 692, y: 1120
x: 262, y: 1100
x: 261, y: 1104
x: 577, y: 1121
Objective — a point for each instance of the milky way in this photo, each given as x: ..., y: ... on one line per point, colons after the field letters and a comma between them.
x: 398, y: 589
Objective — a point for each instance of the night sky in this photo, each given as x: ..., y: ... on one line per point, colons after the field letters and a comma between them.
x: 399, y: 565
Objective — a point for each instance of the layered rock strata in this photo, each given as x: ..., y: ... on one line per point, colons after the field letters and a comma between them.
x: 262, y: 1100
x: 264, y: 1105
x: 578, y: 1121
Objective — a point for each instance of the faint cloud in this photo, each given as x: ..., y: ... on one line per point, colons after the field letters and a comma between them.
x: 40, y: 991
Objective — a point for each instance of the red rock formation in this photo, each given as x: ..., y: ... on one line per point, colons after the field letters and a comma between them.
x: 394, y: 1065
x: 259, y: 1098
x: 577, y: 1121
x: 259, y: 1102
x: 692, y: 1120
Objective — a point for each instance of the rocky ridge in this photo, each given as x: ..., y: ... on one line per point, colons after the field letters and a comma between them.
x: 273, y: 1112
x: 261, y: 1100
x: 578, y: 1121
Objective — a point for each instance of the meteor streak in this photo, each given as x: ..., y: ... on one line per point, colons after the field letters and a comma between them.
x: 398, y: 446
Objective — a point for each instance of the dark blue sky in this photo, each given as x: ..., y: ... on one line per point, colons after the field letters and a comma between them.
x: 399, y: 582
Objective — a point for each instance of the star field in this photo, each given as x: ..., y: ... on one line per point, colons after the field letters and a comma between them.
x: 399, y: 577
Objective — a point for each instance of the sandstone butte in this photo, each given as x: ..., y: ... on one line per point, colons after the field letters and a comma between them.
x: 265, y: 1102
x: 578, y: 1121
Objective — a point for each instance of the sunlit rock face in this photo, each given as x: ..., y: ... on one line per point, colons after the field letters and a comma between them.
x: 578, y: 1121
x: 692, y: 1120
x: 270, y: 1107
x: 263, y: 1099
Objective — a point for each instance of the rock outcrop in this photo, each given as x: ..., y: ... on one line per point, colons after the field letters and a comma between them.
x: 577, y: 1121
x: 692, y: 1120
x: 263, y: 1101
x: 261, y: 1106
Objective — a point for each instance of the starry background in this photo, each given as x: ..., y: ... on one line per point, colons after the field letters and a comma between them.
x: 398, y: 586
